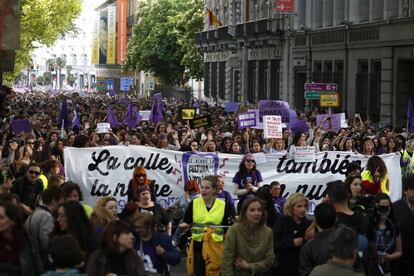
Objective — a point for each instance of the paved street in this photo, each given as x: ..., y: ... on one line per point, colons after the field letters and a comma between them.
x: 179, y: 270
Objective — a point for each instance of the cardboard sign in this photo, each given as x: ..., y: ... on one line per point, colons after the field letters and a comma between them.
x: 21, y: 126
x: 232, y: 107
x: 275, y: 108
x: 246, y: 119
x: 329, y: 121
x: 204, y: 121
x: 144, y: 114
x: 103, y: 128
x: 259, y: 125
x: 305, y: 154
x: 272, y: 127
x: 188, y: 113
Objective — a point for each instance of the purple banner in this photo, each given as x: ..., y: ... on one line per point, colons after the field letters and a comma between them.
x: 298, y: 126
x: 329, y: 122
x: 21, y: 126
x: 232, y: 107
x: 278, y: 108
x: 246, y: 119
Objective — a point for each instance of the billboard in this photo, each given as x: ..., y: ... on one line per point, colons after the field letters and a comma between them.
x: 122, y: 33
x: 9, y: 25
x: 95, y: 42
x: 110, y: 57
x: 103, y: 35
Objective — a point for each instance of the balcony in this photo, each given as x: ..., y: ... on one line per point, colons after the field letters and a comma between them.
x: 242, y: 30
x: 223, y: 33
x: 239, y: 30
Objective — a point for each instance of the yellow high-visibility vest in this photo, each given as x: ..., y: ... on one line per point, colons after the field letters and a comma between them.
x: 203, y: 218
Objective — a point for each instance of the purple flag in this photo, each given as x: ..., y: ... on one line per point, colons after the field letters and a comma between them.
x: 232, y: 107
x: 298, y: 126
x: 410, y: 116
x: 75, y: 121
x: 20, y: 126
x: 63, y: 120
x: 112, y: 120
x: 292, y: 115
x: 156, y: 111
x: 132, y: 117
x: 123, y: 100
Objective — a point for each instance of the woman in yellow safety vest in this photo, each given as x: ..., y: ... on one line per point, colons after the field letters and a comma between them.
x: 206, y: 215
x: 375, y: 177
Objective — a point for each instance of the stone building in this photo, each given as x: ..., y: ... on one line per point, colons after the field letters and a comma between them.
x: 241, y: 58
x: 366, y: 46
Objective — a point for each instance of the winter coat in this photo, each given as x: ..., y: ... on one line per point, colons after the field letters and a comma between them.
x: 255, y: 248
x: 99, y: 264
x: 314, y: 252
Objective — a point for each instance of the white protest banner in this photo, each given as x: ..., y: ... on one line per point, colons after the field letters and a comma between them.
x: 305, y: 154
x: 272, y: 127
x: 260, y: 158
x: 145, y: 114
x: 103, y: 128
x: 108, y: 170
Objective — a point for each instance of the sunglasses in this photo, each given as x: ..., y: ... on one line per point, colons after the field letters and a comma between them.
x: 140, y: 175
x: 30, y: 143
x: 250, y: 161
x: 34, y: 172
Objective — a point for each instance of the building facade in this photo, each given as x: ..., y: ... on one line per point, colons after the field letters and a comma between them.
x: 76, y: 51
x: 242, y: 58
x: 366, y: 46
x: 106, y: 40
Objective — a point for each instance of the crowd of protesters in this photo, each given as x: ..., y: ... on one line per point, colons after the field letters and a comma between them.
x: 46, y: 228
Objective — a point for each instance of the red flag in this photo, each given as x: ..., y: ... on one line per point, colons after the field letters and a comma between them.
x: 213, y: 20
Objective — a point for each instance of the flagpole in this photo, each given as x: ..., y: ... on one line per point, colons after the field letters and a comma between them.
x: 61, y: 131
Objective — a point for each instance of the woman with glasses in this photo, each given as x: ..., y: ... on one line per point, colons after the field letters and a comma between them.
x: 139, y: 178
x: 154, y: 248
x: 247, y: 180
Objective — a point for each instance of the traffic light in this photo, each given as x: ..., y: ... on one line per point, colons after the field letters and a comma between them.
x: 31, y: 67
x: 51, y: 68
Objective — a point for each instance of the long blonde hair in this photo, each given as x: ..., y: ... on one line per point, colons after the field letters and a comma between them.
x: 292, y: 200
x: 100, y: 216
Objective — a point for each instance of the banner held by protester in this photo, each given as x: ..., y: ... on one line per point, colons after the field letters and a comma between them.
x: 106, y: 171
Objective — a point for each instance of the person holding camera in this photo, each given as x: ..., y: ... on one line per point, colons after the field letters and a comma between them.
x: 388, y: 237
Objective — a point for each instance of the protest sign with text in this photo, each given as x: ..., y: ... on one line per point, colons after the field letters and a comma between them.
x: 272, y: 127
